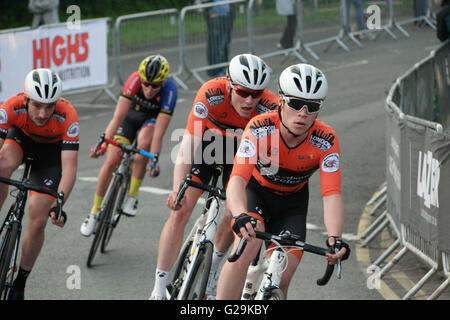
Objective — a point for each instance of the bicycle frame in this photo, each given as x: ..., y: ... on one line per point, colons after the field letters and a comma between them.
x: 203, y: 231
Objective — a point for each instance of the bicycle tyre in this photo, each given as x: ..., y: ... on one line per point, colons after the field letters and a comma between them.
x: 115, y: 203
x: 176, y: 282
x: 196, y: 288
x: 10, y: 241
x: 100, y: 228
x: 274, y: 294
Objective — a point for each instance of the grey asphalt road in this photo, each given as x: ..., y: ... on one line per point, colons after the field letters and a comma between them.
x: 358, y: 84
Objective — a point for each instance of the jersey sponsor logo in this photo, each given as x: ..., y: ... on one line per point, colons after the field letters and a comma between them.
x: 322, y: 140
x: 331, y: 162
x: 265, y: 105
x: 264, y: 128
x: 146, y: 105
x: 215, y: 96
x: 246, y: 149
x: 281, y: 176
x: 20, y: 110
x: 74, y: 130
x: 200, y: 110
x: 3, y: 116
x: 61, y: 117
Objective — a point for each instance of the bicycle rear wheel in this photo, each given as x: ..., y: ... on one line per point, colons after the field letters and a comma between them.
x: 118, y: 193
x: 197, y: 286
x: 9, y: 242
x: 180, y: 267
x: 105, y: 214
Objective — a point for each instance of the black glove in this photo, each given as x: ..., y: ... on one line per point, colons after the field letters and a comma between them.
x: 240, y: 221
x: 55, y: 210
x: 338, y: 244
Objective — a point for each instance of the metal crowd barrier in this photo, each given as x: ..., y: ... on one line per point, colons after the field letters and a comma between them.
x: 427, y: 18
x: 130, y: 40
x: 426, y: 240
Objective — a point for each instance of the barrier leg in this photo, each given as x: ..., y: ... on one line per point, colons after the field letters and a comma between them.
x: 446, y: 283
x: 375, y: 233
x: 379, y: 203
x: 419, y: 284
x: 393, y: 262
x: 385, y: 254
x: 373, y: 225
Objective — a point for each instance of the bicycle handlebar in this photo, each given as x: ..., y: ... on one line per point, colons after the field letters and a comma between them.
x: 288, y: 240
x: 25, y: 186
x: 188, y: 182
x: 124, y: 147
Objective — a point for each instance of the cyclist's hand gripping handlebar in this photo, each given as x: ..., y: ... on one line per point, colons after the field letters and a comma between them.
x: 57, y: 212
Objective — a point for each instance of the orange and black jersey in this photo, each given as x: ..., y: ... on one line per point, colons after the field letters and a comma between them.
x: 63, y: 125
x: 212, y: 108
x: 264, y: 156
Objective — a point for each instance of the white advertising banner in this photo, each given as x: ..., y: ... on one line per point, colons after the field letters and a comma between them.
x: 78, y: 54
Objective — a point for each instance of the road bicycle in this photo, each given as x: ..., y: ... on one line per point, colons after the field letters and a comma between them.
x: 272, y: 268
x: 12, y: 225
x: 111, y: 208
x: 191, y: 270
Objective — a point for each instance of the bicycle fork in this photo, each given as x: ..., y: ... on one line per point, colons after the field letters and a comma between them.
x: 272, y: 277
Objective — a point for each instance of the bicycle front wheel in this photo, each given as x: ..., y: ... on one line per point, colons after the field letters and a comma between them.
x: 178, y: 271
x: 118, y: 193
x: 9, y: 241
x: 274, y: 294
x: 105, y: 216
x: 197, y: 286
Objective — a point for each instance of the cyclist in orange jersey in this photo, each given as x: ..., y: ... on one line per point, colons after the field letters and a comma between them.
x: 221, y: 109
x: 278, y: 153
x: 38, y: 123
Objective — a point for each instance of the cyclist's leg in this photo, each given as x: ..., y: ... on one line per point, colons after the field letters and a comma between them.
x: 10, y: 158
x: 144, y: 141
x: 33, y: 240
x: 290, y: 216
x: 232, y: 277
x: 11, y: 155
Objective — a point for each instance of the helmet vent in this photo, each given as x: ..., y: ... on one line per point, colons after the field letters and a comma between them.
x: 246, y: 76
x: 298, y: 84
x: 46, y: 90
x: 36, y: 77
x: 319, y: 84
x: 38, y: 91
x: 53, y: 93
x: 263, y: 78
x: 255, y: 75
x: 308, y: 83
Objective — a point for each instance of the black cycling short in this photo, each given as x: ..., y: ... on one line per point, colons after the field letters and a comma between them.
x: 134, y: 121
x: 217, y: 150
x: 46, y: 166
x: 279, y: 213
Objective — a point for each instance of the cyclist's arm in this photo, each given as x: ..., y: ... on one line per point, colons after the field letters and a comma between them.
x: 333, y: 208
x: 69, y: 164
x: 162, y: 122
x: 236, y: 196
x: 122, y: 108
x: 185, y: 158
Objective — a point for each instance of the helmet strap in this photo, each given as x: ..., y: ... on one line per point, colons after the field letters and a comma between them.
x: 289, y: 131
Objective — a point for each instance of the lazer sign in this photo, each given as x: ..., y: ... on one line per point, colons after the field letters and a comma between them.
x: 78, y: 55
x: 428, y: 179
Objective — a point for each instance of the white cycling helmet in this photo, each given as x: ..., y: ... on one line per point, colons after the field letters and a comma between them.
x: 43, y: 85
x: 303, y: 81
x: 249, y: 71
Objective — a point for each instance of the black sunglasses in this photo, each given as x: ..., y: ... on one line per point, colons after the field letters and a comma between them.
x: 298, y: 104
x: 153, y: 85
